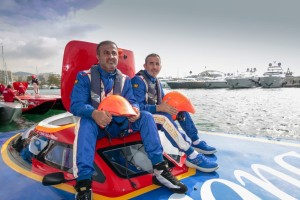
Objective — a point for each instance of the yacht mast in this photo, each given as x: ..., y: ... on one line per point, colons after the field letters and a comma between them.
x: 7, y: 76
x: 4, y: 66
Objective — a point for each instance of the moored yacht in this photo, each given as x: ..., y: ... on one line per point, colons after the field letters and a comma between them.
x: 291, y: 80
x: 207, y: 79
x: 163, y: 82
x: 246, y: 79
x: 212, y: 79
x: 274, y: 76
x: 43, y: 154
x: 184, y: 83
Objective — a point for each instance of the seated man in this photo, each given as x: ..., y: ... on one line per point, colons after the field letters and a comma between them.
x: 21, y: 89
x: 90, y: 88
x: 149, y: 93
x: 9, y: 95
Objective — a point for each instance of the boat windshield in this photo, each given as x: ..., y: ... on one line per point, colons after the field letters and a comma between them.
x: 61, y: 156
x: 127, y: 161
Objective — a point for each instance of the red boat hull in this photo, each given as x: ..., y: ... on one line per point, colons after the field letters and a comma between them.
x: 38, y: 104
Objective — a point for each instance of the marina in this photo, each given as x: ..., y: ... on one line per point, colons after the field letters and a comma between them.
x: 272, y: 113
x: 273, y: 77
x: 254, y: 133
x: 236, y: 63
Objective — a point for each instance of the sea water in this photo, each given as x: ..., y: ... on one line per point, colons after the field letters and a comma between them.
x: 28, y: 120
x: 272, y: 113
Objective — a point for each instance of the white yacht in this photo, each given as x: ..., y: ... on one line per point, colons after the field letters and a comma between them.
x: 212, y: 79
x: 246, y: 79
x: 274, y: 77
x: 206, y: 79
x: 163, y: 82
x: 183, y: 83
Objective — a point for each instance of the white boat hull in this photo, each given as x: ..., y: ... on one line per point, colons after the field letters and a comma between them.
x: 164, y: 84
x: 271, y: 81
x: 242, y: 82
x: 186, y: 84
x: 197, y: 84
x: 215, y: 84
x: 9, y: 111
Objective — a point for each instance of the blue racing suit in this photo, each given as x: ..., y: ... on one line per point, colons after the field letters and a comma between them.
x: 164, y: 120
x: 88, y: 132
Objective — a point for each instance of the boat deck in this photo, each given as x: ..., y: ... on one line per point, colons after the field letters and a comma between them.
x: 250, y: 168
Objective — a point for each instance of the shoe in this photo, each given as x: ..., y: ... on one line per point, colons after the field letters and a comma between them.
x: 18, y: 144
x: 202, y: 147
x: 163, y: 176
x: 201, y: 163
x: 84, y: 190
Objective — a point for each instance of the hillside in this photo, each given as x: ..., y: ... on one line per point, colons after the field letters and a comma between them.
x: 21, y: 74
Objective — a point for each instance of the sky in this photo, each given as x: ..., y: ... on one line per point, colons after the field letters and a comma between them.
x: 191, y: 35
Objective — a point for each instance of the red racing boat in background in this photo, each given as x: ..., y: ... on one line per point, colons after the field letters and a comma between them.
x: 37, y: 104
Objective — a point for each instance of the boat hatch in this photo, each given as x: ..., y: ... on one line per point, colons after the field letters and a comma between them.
x: 127, y: 161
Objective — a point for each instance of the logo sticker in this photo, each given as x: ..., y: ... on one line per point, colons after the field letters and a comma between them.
x: 135, y: 85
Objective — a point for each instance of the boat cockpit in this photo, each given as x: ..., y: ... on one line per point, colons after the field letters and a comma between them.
x: 45, y: 151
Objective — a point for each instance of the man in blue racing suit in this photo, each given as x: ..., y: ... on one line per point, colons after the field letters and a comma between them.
x: 149, y: 93
x: 90, y: 88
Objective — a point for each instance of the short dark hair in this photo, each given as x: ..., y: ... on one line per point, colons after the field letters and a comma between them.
x: 152, y: 55
x: 9, y: 86
x: 104, y: 43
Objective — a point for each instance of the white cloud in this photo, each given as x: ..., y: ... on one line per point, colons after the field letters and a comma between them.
x: 223, y: 35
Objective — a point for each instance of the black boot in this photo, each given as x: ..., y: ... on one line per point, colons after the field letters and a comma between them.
x: 84, y: 190
x: 18, y: 144
x: 163, y: 176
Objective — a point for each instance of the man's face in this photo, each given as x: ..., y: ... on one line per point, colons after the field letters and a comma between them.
x: 108, y: 57
x: 152, y: 66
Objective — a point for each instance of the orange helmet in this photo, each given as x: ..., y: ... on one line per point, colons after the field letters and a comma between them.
x: 117, y: 106
x: 33, y: 76
x: 179, y: 101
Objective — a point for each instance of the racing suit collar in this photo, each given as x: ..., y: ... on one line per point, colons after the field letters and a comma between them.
x: 152, y: 79
x: 105, y: 74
